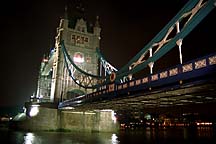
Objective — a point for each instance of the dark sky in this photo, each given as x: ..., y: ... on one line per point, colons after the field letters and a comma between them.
x: 28, y: 29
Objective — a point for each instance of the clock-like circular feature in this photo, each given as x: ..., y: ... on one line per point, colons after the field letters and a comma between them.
x: 78, y: 57
x: 112, y: 76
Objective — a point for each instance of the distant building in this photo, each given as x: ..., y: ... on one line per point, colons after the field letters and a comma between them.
x: 81, y: 40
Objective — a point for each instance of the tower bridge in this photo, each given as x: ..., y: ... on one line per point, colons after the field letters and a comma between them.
x: 76, y: 66
x: 77, y: 76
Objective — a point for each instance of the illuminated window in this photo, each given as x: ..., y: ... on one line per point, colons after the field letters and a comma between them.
x: 34, y: 110
x: 78, y: 39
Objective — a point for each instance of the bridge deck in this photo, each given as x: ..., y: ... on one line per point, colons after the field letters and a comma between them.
x: 191, y: 83
x: 184, y: 95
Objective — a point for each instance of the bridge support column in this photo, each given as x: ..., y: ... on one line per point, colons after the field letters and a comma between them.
x: 107, y: 121
x: 46, y: 119
x: 92, y: 121
x: 151, y: 64
x: 179, y: 43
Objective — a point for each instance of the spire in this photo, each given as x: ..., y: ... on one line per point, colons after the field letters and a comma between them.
x: 66, y: 12
x: 97, y: 28
x: 80, y: 10
x: 97, y: 22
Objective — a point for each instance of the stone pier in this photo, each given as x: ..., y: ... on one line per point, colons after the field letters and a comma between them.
x: 51, y: 119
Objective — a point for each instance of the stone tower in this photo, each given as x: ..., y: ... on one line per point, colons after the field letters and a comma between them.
x: 81, y: 40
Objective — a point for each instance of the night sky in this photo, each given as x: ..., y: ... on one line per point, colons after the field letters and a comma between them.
x: 28, y: 29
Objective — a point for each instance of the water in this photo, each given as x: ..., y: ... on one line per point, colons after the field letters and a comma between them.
x: 204, y: 135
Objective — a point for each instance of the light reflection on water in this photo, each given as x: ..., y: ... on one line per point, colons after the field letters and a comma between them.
x: 114, y: 139
x: 147, y: 136
x: 29, y: 138
x: 19, y: 137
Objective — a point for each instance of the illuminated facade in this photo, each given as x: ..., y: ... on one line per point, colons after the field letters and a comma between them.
x: 44, y: 82
x: 81, y: 40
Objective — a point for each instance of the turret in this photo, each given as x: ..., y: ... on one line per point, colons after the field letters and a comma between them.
x: 97, y: 28
x: 43, y: 63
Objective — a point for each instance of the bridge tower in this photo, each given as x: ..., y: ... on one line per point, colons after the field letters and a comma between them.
x: 81, y: 39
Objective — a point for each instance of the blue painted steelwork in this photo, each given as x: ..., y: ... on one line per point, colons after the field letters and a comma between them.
x: 94, y: 80
x: 193, y: 72
x: 106, y: 65
x: 67, y: 57
x: 195, y: 9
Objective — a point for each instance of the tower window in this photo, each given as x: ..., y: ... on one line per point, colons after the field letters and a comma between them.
x: 83, y: 29
x: 78, y: 28
x: 88, y: 59
x: 86, y: 39
x: 82, y: 40
x: 78, y: 39
x: 73, y: 37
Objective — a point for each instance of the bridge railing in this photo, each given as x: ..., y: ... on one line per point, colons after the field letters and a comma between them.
x: 179, y: 73
x: 194, y: 70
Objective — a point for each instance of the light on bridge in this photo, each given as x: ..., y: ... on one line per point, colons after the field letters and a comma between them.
x: 34, y: 110
x: 45, y: 60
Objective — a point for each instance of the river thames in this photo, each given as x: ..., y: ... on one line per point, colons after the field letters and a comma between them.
x: 179, y: 135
